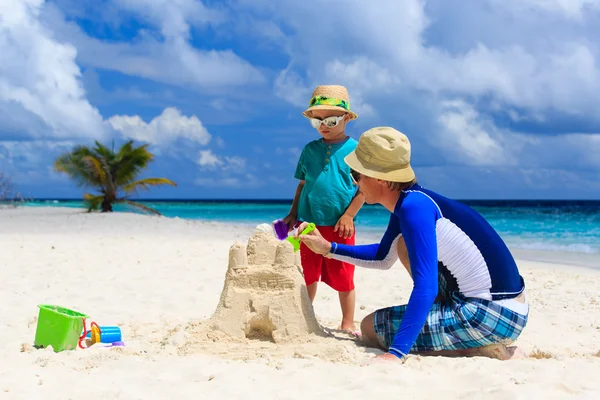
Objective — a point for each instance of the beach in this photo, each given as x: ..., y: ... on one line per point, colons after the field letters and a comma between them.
x: 156, y: 277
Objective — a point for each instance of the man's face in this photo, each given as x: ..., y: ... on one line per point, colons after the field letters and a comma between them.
x: 330, y: 132
x: 369, y: 187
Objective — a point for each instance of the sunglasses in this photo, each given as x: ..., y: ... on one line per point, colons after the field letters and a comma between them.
x: 355, y: 176
x: 329, y: 122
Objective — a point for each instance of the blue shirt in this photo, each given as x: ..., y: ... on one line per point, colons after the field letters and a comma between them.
x: 474, y: 259
x: 328, y: 188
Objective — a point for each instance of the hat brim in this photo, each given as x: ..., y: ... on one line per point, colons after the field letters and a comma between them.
x: 306, y: 112
x: 405, y: 174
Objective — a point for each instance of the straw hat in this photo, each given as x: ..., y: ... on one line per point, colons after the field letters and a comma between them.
x: 382, y: 153
x: 330, y: 97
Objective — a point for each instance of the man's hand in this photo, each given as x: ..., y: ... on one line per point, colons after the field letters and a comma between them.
x: 387, y: 357
x: 313, y: 240
x: 345, y: 226
x: 382, y: 358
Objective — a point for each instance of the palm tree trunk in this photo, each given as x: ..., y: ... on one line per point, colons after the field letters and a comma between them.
x: 106, y: 206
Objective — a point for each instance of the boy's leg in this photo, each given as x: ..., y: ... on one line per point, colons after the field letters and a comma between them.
x: 311, y: 269
x: 347, y: 302
x: 312, y: 291
x: 340, y: 276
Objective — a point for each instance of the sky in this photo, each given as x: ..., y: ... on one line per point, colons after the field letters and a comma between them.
x: 500, y: 99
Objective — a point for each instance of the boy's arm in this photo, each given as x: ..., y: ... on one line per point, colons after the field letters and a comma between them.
x: 345, y: 225
x: 294, y: 208
x: 292, y: 217
x: 355, y: 205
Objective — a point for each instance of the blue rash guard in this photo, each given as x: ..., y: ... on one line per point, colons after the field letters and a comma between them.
x: 442, y: 236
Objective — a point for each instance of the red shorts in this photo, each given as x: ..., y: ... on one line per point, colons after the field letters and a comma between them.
x: 337, y: 274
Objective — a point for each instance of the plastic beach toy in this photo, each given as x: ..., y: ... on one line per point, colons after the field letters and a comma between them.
x: 281, y: 232
x: 104, y: 334
x: 281, y: 229
x: 110, y: 335
x: 58, y: 327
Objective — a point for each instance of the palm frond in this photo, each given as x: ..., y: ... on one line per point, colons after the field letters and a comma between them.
x: 141, y: 206
x: 96, y: 167
x: 73, y: 164
x: 146, y: 184
x: 93, y: 201
x: 104, y: 152
x: 130, y: 164
x: 110, y: 172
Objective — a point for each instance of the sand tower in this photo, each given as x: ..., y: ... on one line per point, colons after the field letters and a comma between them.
x: 264, y: 296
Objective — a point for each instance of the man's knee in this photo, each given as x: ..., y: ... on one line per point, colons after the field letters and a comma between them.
x: 367, y: 332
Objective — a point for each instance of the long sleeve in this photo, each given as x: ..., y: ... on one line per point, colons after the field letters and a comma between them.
x: 377, y: 255
x: 418, y: 223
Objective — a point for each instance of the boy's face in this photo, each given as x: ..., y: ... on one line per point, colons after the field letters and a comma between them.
x: 334, y: 132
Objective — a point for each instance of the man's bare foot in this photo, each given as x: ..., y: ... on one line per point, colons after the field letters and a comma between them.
x: 497, y: 351
x: 517, y: 353
x: 501, y: 352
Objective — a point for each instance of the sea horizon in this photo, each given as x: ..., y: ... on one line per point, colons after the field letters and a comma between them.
x: 280, y: 200
x: 571, y: 226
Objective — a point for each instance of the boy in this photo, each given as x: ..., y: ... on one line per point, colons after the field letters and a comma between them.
x: 327, y: 196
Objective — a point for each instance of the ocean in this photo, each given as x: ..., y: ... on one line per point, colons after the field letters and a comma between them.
x: 565, y: 226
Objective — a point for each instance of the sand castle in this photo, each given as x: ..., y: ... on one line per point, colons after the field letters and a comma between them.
x: 264, y: 296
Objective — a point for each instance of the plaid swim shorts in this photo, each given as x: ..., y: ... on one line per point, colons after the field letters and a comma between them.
x: 454, y: 323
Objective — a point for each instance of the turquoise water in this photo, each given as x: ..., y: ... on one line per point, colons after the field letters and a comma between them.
x: 572, y: 226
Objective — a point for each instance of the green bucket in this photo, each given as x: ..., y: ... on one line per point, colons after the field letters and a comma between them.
x: 58, y: 327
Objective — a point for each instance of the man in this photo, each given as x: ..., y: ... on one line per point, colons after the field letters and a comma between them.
x: 468, y: 297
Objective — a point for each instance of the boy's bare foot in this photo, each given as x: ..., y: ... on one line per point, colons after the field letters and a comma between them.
x: 349, y: 328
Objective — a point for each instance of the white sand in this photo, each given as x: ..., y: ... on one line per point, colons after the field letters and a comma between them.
x: 159, y: 278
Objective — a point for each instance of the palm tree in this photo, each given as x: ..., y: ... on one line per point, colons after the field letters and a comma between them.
x: 110, y: 172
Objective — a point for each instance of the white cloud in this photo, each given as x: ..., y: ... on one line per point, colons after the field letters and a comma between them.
x: 165, y: 128
x: 466, y: 134
x: 173, y: 16
x: 467, y: 138
x: 219, y: 142
x: 30, y: 162
x: 246, y: 180
x: 574, y: 9
x: 393, y: 52
x: 209, y: 159
x: 170, y: 58
x: 41, y: 94
x: 444, y: 80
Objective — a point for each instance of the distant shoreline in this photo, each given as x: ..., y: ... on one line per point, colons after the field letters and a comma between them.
x: 474, y: 202
x: 554, y: 257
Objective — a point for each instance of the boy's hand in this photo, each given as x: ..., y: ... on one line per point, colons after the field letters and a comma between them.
x: 290, y: 220
x: 345, y: 226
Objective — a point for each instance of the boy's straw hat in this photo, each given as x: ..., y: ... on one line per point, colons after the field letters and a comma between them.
x: 330, y: 97
x: 382, y: 153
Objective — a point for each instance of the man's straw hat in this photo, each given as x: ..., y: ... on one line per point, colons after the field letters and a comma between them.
x: 330, y: 97
x: 382, y: 153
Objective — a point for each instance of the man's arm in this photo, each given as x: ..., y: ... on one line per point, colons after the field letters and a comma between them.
x: 418, y: 222
x: 375, y: 256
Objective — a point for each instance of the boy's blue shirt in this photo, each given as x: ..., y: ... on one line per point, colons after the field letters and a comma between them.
x: 328, y: 188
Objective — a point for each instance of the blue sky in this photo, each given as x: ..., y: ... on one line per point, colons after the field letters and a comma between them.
x: 499, y: 99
